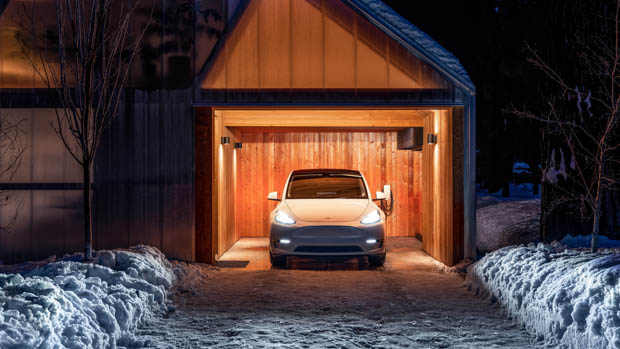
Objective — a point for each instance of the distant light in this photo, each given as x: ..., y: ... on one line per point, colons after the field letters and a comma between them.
x: 225, y: 140
x: 238, y: 145
x: 285, y: 241
x: 371, y: 241
x: 431, y: 138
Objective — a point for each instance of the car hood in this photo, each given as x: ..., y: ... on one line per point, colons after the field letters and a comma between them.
x: 327, y: 210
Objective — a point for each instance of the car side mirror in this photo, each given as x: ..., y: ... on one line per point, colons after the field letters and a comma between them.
x: 380, y: 196
x: 273, y: 196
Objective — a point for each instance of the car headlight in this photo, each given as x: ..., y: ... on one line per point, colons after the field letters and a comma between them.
x: 283, y: 218
x: 371, y: 218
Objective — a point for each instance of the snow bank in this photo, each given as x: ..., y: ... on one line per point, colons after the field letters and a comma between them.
x: 77, y: 305
x: 571, y: 298
x: 586, y: 241
x: 507, y: 223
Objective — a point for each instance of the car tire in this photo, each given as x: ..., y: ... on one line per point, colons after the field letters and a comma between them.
x: 277, y: 261
x: 376, y: 261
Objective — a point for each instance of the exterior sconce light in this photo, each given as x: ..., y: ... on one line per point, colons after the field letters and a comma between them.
x: 431, y: 138
x: 238, y: 145
x: 225, y: 140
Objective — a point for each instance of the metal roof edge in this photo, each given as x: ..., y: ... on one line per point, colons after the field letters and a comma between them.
x: 411, y: 45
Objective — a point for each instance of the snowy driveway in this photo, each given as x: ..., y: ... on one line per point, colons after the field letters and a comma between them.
x: 409, y: 303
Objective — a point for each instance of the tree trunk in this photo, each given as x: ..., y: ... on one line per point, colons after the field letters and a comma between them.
x: 596, y: 223
x: 542, y: 230
x: 506, y: 189
x: 88, y: 232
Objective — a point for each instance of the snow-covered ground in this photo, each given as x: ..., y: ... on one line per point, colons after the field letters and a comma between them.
x: 66, y: 303
x: 410, y: 302
x: 568, y: 297
x: 507, y: 221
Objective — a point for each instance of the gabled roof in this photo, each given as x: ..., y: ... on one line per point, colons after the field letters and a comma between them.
x: 392, y: 24
x: 414, y: 39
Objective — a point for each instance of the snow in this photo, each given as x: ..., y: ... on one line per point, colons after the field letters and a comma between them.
x: 410, y: 303
x: 552, y: 173
x: 66, y: 303
x: 521, y: 191
x: 506, y: 223
x: 520, y: 167
x: 567, y: 297
x: 586, y: 240
x: 416, y: 38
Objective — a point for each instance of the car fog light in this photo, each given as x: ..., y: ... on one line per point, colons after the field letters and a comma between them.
x: 371, y: 241
x: 285, y: 241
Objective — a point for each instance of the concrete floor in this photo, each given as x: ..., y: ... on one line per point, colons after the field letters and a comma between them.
x: 403, y: 253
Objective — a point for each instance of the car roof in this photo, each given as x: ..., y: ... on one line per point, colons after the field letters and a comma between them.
x: 326, y: 171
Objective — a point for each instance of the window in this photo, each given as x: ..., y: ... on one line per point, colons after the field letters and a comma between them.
x: 326, y: 186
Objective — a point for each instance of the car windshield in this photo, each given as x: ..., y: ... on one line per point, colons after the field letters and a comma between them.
x: 326, y: 186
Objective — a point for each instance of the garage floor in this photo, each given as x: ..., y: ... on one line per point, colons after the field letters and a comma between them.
x: 317, y: 304
x: 403, y: 254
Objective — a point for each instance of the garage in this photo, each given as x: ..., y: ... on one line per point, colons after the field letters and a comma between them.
x: 333, y: 84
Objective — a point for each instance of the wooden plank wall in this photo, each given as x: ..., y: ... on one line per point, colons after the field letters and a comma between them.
x: 144, y: 175
x: 442, y: 238
x: 267, y: 158
x: 205, y: 249
x: 314, y: 44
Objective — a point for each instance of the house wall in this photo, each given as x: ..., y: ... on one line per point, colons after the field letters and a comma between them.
x: 310, y: 44
x: 144, y: 175
x: 442, y: 208
x: 44, y: 213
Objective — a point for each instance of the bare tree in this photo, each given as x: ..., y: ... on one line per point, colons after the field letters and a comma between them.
x: 86, y: 58
x: 12, y: 146
x: 586, y: 121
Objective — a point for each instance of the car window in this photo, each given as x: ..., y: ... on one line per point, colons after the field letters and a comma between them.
x: 326, y: 186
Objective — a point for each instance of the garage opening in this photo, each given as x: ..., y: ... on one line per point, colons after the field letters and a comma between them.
x: 243, y: 154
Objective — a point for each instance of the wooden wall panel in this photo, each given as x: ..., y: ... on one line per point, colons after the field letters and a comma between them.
x: 226, y: 188
x: 313, y: 44
x: 242, y: 59
x: 144, y: 175
x: 275, y: 43
x: 339, y: 56
x: 438, y: 225
x: 267, y: 158
x: 307, y: 45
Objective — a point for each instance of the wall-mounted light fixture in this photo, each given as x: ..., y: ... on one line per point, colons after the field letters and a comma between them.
x: 238, y: 145
x: 225, y: 140
x: 431, y: 138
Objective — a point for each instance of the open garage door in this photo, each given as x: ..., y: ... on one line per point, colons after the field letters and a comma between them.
x: 251, y: 152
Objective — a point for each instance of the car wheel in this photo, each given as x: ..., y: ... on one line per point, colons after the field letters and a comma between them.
x: 376, y: 261
x: 277, y: 261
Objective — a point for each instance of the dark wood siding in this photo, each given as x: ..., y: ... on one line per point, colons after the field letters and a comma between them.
x: 144, y: 191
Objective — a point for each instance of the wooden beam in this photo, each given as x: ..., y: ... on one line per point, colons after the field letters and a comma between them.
x: 324, y: 118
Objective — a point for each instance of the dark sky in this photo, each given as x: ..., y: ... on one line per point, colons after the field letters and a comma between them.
x: 449, y: 25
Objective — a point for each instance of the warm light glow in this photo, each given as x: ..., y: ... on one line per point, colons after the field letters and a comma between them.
x: 372, y: 218
x: 283, y: 218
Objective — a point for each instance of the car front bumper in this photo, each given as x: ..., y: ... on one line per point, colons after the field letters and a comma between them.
x: 343, y: 239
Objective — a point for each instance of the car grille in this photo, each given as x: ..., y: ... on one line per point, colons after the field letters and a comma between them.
x: 328, y: 249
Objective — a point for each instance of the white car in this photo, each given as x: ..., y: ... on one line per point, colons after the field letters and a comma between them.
x: 326, y: 212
